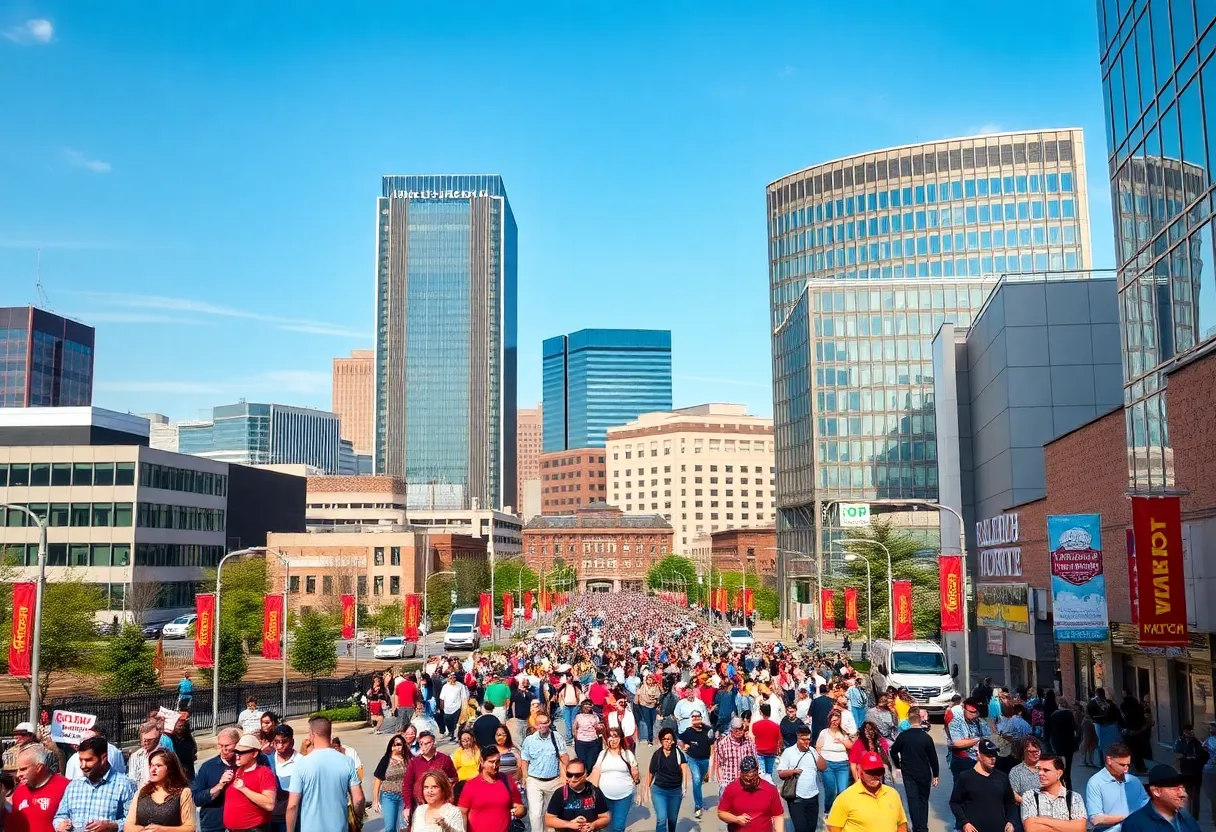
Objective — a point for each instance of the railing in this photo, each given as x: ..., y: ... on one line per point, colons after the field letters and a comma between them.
x: 121, y: 716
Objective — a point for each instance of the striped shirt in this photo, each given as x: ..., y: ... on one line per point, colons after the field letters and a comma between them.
x: 108, y: 799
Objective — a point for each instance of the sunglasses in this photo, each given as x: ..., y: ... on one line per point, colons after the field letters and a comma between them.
x: 575, y: 774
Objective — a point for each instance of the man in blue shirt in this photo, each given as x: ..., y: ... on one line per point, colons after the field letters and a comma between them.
x: 1164, y: 811
x: 542, y: 767
x: 1111, y: 795
x: 101, y: 796
x: 323, y: 784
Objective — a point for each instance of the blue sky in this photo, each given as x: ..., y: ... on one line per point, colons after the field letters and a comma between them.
x: 201, y: 177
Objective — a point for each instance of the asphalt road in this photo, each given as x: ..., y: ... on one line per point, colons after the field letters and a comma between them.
x: 434, y: 644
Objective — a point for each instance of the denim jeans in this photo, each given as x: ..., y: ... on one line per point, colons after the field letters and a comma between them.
x: 618, y: 810
x: 859, y: 716
x: 588, y: 752
x: 391, y: 805
x: 666, y: 808
x: 768, y: 762
x: 569, y: 712
x: 835, y: 781
x: 696, y: 771
x: 645, y: 720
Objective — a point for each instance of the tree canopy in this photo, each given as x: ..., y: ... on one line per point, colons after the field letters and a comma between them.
x: 907, y: 563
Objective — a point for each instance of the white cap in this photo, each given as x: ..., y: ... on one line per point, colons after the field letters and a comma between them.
x: 27, y: 727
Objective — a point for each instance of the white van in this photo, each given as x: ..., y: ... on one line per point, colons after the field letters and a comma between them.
x: 919, y: 666
x: 462, y: 629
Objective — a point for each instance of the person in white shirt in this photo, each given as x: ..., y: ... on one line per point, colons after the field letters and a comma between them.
x: 452, y: 697
x: 689, y: 703
x: 72, y: 769
x: 802, y: 761
x: 351, y: 754
x: 250, y: 719
x: 149, y: 740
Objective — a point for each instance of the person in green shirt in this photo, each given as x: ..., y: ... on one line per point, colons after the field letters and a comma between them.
x: 498, y: 694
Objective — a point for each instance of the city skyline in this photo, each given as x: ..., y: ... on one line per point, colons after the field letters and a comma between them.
x: 275, y: 295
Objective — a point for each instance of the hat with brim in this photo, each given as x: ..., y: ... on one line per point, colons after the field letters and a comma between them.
x: 248, y: 742
x: 1164, y: 777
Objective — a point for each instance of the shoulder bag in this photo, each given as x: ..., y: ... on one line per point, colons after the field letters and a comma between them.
x: 789, y: 786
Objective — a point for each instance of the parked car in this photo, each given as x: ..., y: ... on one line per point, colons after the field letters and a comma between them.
x: 918, y: 666
x: 154, y: 631
x: 395, y: 647
x: 462, y: 629
x: 545, y: 634
x: 179, y: 627
x: 740, y: 638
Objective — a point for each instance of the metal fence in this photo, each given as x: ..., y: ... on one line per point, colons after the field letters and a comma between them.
x: 121, y: 716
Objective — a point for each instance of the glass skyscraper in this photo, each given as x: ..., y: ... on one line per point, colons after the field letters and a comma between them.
x: 868, y: 256
x: 595, y: 379
x: 446, y: 340
x: 250, y: 433
x: 45, y: 360
x: 1161, y: 142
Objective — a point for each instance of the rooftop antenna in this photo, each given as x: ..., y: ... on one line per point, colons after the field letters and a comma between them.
x: 43, y: 301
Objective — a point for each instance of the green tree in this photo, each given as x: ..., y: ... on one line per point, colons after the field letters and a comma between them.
x: 509, y: 575
x: 439, y: 599
x: 561, y: 577
x: 312, y: 649
x: 242, y: 598
x: 472, y: 579
x: 233, y: 662
x: 69, y: 627
x: 129, y: 662
x: 389, y: 619
x: 907, y: 563
x: 674, y: 574
x: 764, y: 598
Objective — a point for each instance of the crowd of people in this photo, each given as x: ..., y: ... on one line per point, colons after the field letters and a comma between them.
x: 634, y: 702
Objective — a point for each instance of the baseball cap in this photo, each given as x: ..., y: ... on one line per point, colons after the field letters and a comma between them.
x: 1164, y: 776
x: 24, y: 727
x: 749, y: 763
x: 248, y: 742
x: 871, y: 762
x: 987, y: 748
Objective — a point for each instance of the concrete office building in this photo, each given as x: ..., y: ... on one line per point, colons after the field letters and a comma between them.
x: 45, y: 360
x: 702, y: 468
x: 354, y: 398
x: 869, y: 256
x: 529, y: 427
x: 162, y: 432
x: 1041, y: 358
x: 595, y: 379
x: 250, y: 433
x: 142, y: 524
x: 446, y: 340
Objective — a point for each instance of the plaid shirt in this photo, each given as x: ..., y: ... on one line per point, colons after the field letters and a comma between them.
x: 730, y: 754
x: 86, y: 801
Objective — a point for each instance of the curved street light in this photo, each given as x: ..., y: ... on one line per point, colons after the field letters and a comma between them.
x: 36, y: 649
x: 215, y: 646
x: 849, y: 556
x: 890, y: 580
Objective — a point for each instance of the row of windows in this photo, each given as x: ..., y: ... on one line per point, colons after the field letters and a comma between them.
x: 40, y: 474
x: 808, y: 264
x: 888, y: 324
x: 309, y: 584
x: 394, y: 555
x: 903, y: 480
x: 182, y: 479
x: 890, y: 245
x: 577, y: 487
x: 892, y: 424
x: 616, y: 475
x: 569, y: 460
x: 187, y: 518
x: 574, y: 475
x: 725, y: 445
x: 698, y: 467
x: 605, y: 546
x: 697, y: 492
x: 68, y: 554
x: 177, y: 554
x: 392, y: 506
x: 63, y: 515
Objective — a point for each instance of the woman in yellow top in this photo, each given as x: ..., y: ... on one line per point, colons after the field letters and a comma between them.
x: 902, y: 705
x: 467, y: 758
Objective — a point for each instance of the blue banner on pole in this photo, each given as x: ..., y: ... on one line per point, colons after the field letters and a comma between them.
x: 1078, y: 585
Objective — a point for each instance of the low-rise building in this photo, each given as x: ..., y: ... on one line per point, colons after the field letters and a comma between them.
x: 611, y: 550
x: 571, y: 480
x: 755, y: 550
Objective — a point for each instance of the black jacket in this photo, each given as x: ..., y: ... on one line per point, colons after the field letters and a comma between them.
x: 914, y: 753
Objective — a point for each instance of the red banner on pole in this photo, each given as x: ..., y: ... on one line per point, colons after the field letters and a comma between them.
x: 951, y: 569
x: 485, y: 615
x: 901, y: 601
x: 1157, y: 523
x: 1133, y: 579
x: 850, y: 610
x: 204, y: 630
x: 272, y: 623
x: 749, y: 601
x: 827, y: 609
x: 527, y: 605
x: 21, y: 643
x: 546, y: 602
x: 348, y: 616
x: 508, y: 610
x: 412, y: 615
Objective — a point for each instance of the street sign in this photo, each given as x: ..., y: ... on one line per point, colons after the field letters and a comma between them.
x: 854, y: 515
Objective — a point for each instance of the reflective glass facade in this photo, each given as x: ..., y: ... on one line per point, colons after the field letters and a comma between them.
x: 45, y: 360
x: 446, y: 340
x: 595, y: 379
x: 868, y: 257
x: 265, y: 434
x: 1161, y: 142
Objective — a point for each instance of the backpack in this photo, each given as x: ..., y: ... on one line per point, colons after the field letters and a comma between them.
x: 1067, y: 803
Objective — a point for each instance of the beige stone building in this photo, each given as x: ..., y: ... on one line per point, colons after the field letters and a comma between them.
x: 355, y: 398
x: 529, y: 430
x: 703, y: 468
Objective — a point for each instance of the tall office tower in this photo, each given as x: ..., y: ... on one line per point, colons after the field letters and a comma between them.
x: 529, y: 430
x: 265, y: 434
x: 1158, y: 147
x: 354, y: 398
x: 595, y: 379
x: 869, y: 256
x: 446, y: 340
x: 45, y: 360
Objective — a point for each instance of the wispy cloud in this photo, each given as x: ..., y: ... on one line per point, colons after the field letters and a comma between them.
x: 787, y: 71
x: 132, y: 318
x: 985, y: 129
x: 735, y: 381
x: 31, y: 33
x: 267, y: 384
x: 201, y: 311
x: 75, y: 157
x: 62, y: 244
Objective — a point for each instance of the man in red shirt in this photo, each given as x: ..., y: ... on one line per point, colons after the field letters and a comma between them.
x: 428, y: 758
x: 750, y: 804
x: 767, y: 735
x: 249, y: 801
x: 37, y: 796
x: 406, y: 694
x: 489, y: 800
x: 597, y: 692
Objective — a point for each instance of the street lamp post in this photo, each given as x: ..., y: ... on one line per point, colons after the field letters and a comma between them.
x: 39, y: 588
x: 426, y: 606
x: 869, y: 597
x: 215, y: 633
x: 286, y: 600
x: 890, y: 580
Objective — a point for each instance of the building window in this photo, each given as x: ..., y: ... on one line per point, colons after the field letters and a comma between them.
x: 378, y: 556
x: 378, y: 585
x: 327, y: 585
x: 310, y: 585
x: 294, y: 585
x: 395, y: 557
x: 394, y: 585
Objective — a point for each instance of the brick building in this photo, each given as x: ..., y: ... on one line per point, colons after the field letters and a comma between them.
x: 354, y: 398
x: 529, y: 433
x: 755, y: 547
x: 571, y: 480
x: 612, y: 551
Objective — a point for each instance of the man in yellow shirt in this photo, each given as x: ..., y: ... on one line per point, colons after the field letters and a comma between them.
x: 868, y: 805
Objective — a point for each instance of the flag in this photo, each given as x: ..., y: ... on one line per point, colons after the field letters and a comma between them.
x: 901, y: 600
x: 412, y: 614
x: 272, y: 622
x: 485, y: 615
x: 546, y: 601
x: 527, y: 605
x: 850, y: 610
x: 508, y: 610
x: 348, y: 616
x: 204, y: 630
x: 827, y: 609
x: 21, y: 643
x: 749, y: 602
x: 951, y: 569
x: 1157, y: 523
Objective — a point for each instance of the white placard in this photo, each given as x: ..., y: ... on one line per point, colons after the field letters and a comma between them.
x: 854, y: 515
x: 69, y: 727
x: 170, y: 717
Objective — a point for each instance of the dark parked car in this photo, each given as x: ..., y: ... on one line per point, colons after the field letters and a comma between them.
x: 153, y: 631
